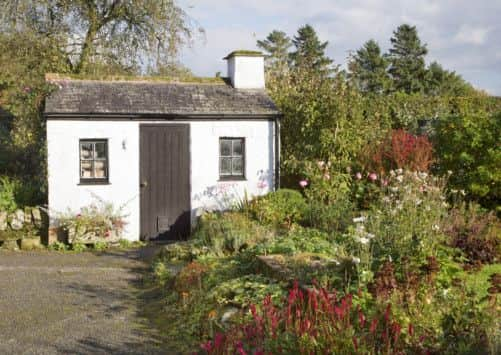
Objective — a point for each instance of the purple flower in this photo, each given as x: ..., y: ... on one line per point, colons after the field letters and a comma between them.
x: 303, y: 183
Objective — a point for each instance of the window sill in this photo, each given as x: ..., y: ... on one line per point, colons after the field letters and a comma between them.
x: 232, y: 178
x: 93, y: 183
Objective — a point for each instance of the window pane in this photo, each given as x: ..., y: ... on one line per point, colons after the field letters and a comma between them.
x: 86, y: 169
x: 225, y: 147
x: 100, y: 169
x: 238, y: 147
x: 86, y: 150
x: 225, y: 166
x: 237, y: 168
x: 100, y: 150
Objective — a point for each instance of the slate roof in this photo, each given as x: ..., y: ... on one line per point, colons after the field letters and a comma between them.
x: 156, y: 98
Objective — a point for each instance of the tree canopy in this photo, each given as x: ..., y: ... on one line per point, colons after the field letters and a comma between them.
x: 407, y: 60
x: 309, y: 51
x: 276, y: 46
x: 92, y: 34
x: 369, y: 68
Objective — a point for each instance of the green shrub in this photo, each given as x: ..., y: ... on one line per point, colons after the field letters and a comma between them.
x: 281, y: 208
x: 300, y: 240
x: 8, y: 194
x: 468, y: 146
x: 78, y: 247
x: 228, y: 233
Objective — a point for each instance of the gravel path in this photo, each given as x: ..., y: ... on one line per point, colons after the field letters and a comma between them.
x: 56, y: 303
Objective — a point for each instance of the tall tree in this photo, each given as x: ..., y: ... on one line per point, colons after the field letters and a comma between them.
x: 407, y: 61
x: 276, y: 47
x: 369, y: 68
x: 443, y: 82
x: 114, y: 33
x: 310, y: 51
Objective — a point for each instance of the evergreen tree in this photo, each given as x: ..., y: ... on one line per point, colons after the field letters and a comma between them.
x: 276, y: 47
x: 310, y: 52
x: 443, y: 82
x: 368, y: 69
x: 406, y: 57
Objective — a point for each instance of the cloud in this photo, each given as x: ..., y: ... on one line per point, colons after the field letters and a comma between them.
x: 472, y: 35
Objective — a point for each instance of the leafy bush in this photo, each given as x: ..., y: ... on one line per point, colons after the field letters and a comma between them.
x: 228, y: 233
x: 315, y: 322
x: 476, y: 233
x: 245, y: 290
x: 280, y: 208
x: 468, y: 146
x: 16, y: 193
x: 8, y: 194
x: 300, y: 240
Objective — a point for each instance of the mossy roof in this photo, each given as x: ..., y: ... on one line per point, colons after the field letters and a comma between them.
x: 157, y: 97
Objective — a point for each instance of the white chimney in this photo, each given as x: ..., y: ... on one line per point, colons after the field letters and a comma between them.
x: 246, y: 69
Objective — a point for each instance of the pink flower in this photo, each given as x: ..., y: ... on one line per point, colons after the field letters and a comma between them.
x: 27, y: 89
x: 372, y: 177
x: 79, y: 215
x: 261, y: 184
x: 358, y: 176
x: 303, y: 183
x: 107, y: 234
x: 385, y: 182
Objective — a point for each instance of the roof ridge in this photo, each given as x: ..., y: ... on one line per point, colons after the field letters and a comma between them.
x: 56, y: 77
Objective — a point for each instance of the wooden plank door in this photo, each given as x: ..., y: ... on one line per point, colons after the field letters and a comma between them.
x: 165, y: 181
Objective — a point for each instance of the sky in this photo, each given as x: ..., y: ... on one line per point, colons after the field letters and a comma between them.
x: 462, y: 35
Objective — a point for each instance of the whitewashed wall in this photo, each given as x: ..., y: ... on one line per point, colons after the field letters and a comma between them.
x: 207, y: 192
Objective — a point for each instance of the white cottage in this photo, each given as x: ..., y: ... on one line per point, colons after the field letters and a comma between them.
x: 163, y: 150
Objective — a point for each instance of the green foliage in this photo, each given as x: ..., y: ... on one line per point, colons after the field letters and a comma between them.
x: 369, y: 69
x: 443, y: 82
x: 468, y: 146
x: 76, y: 247
x: 469, y: 326
x: 100, y: 246
x: 228, y: 233
x: 407, y: 60
x: 113, y: 34
x: 7, y: 195
x: 246, y: 290
x: 309, y: 52
x: 279, y: 209
x: 300, y: 240
x: 162, y: 273
x: 276, y: 45
x: 58, y: 246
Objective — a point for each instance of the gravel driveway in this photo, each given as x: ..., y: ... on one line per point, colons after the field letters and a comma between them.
x: 74, y: 304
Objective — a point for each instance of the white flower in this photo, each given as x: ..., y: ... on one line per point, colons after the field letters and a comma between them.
x: 435, y: 227
x: 399, y: 171
x: 360, y: 229
x: 392, y: 173
x: 360, y: 219
x: 355, y: 260
x: 363, y: 240
x: 418, y: 202
x: 400, y: 178
x: 370, y: 236
x: 423, y: 175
